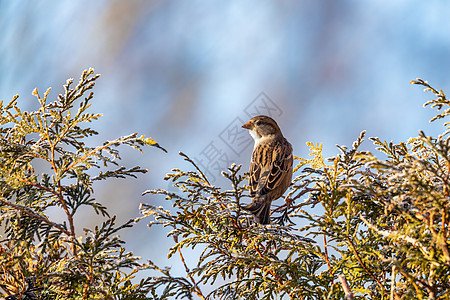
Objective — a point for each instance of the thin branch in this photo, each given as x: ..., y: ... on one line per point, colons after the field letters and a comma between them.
x: 27, y: 211
x: 304, y: 191
x: 61, y: 198
x: 41, y: 187
x: 197, y: 288
x: 393, y: 295
x: 394, y: 233
x: 326, y: 252
x: 346, y: 287
x: 289, y: 201
x: 186, y: 158
x: 414, y: 281
x: 445, y: 219
x: 352, y: 246
x: 95, y: 150
x: 279, y: 280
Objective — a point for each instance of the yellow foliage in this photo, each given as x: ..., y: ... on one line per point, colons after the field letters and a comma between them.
x: 316, y: 162
x: 148, y: 141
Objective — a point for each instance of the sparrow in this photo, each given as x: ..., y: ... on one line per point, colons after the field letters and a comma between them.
x: 270, y: 168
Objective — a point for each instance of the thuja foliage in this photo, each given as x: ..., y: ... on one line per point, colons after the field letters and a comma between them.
x: 41, y: 258
x: 353, y: 226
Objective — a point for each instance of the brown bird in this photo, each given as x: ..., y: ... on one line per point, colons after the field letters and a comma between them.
x: 270, y: 168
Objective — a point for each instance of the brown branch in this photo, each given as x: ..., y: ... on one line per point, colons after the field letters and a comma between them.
x: 395, y: 234
x: 197, y: 288
x: 346, y: 287
x: 289, y: 201
x: 96, y: 149
x: 326, y: 252
x: 61, y: 198
x: 36, y: 216
x: 413, y: 281
x: 304, y: 191
x: 393, y: 295
x: 280, y: 281
x: 41, y: 187
x: 352, y: 246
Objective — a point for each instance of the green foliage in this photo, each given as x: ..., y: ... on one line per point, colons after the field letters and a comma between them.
x: 351, y: 227
x: 246, y: 255
x: 378, y: 226
x: 43, y: 259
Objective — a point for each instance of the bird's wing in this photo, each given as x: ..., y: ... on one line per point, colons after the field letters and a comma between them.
x: 254, y: 173
x: 269, y: 166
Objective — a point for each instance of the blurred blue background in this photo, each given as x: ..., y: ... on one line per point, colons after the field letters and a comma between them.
x: 186, y: 73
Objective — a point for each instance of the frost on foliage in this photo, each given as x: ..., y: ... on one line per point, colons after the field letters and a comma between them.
x: 353, y: 226
x: 41, y: 258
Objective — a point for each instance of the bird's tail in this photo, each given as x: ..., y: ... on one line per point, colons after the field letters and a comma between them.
x: 260, y: 208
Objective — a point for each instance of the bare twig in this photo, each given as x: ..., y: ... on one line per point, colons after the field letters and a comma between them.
x: 392, y: 283
x: 346, y: 287
x: 304, y: 191
x: 289, y: 201
x: 197, y: 288
x: 326, y: 252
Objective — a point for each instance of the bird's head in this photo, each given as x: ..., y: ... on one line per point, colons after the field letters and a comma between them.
x: 262, y: 127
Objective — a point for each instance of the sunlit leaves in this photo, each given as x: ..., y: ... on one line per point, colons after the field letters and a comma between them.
x: 316, y: 162
x: 255, y: 260
x: 43, y: 258
x: 379, y: 225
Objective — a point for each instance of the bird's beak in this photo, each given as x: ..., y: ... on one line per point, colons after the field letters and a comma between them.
x: 247, y: 125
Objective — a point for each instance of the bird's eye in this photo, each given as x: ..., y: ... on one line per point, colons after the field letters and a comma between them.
x: 258, y: 123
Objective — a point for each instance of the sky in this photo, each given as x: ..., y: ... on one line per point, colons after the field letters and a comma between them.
x: 189, y: 73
